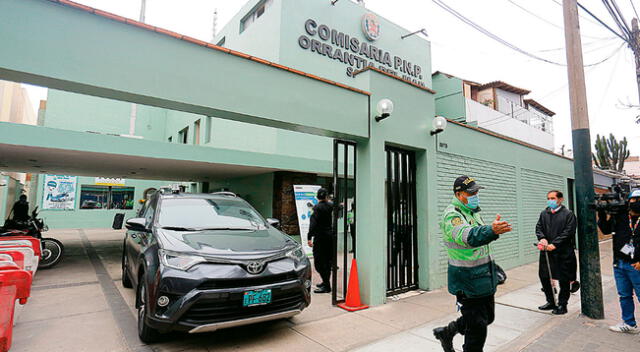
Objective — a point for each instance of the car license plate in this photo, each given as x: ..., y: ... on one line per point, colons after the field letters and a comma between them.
x: 256, y: 298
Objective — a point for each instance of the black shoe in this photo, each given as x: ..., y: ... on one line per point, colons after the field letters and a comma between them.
x: 445, y: 335
x: 548, y: 306
x: 320, y: 285
x: 562, y: 309
x: 575, y: 286
x: 322, y: 290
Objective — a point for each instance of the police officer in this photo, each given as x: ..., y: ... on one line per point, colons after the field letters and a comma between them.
x: 471, y: 274
x: 320, y: 239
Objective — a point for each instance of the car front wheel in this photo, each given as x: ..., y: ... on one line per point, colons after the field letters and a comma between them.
x: 146, y: 333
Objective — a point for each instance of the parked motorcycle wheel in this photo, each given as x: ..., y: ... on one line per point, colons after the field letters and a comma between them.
x: 52, y: 251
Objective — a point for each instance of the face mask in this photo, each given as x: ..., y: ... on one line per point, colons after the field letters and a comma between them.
x: 473, y: 202
x: 552, y: 204
x: 635, y: 207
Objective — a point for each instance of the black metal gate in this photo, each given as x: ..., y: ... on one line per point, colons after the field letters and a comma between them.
x: 344, y: 195
x: 402, y: 246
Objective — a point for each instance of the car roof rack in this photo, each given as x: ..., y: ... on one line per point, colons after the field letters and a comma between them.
x: 225, y: 193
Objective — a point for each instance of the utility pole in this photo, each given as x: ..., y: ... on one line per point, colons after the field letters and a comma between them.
x: 589, y: 251
x: 635, y: 46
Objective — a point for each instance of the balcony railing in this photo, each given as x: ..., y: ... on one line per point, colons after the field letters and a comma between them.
x: 530, y: 117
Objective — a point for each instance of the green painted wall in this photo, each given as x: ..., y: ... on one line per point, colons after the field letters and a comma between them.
x: 91, y: 218
x: 450, y: 101
x: 513, y: 189
x: 257, y: 190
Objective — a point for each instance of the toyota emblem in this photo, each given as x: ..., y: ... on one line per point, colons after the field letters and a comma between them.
x: 255, y: 267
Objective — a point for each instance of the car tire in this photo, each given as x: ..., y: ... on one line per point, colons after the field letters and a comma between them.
x: 126, y: 280
x: 146, y: 333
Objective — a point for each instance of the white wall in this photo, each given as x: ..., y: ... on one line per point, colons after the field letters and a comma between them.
x: 498, y: 122
x: 632, y: 167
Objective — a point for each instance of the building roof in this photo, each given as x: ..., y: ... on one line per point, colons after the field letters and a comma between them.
x: 539, y: 106
x: 195, y: 41
x: 505, y: 86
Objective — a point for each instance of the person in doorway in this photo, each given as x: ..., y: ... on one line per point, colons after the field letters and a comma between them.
x: 351, y: 221
x: 626, y: 259
x: 556, y: 233
x: 20, y: 209
x: 320, y: 239
x: 472, y: 272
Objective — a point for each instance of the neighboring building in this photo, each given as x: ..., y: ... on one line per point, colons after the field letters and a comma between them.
x: 316, y: 81
x: 632, y: 166
x: 15, y: 107
x: 495, y: 106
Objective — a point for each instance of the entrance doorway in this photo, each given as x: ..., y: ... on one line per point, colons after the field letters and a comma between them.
x: 344, y: 217
x: 402, y: 246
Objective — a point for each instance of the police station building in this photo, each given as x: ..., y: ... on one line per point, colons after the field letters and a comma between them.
x: 287, y: 94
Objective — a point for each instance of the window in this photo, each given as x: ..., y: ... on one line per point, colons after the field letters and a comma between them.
x: 196, y: 133
x: 254, y: 14
x: 183, y: 136
x: 170, y: 139
x: 221, y: 42
x: 106, y: 197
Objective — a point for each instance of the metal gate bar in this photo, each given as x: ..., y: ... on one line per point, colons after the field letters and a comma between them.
x: 341, y: 193
x: 402, y: 247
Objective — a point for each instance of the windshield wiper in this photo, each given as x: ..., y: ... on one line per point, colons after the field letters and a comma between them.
x: 177, y: 228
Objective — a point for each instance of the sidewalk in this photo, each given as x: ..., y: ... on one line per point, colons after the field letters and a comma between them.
x: 520, y: 326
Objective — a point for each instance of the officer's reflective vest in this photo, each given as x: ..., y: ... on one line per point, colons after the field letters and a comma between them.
x: 471, y: 269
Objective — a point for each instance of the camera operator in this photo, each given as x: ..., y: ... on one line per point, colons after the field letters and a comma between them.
x: 626, y: 254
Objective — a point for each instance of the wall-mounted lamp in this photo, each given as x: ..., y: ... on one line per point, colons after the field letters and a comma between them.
x: 385, y: 108
x: 439, y: 124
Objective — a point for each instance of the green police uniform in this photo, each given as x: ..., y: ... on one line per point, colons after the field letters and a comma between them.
x: 471, y: 269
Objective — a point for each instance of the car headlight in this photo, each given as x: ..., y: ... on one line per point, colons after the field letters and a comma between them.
x: 296, y: 254
x: 180, y: 261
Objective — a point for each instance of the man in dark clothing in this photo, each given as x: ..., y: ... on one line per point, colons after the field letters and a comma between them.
x: 626, y: 259
x: 556, y: 231
x: 320, y: 239
x: 21, y: 209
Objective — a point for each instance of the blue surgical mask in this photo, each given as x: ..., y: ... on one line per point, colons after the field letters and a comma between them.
x: 552, y: 203
x: 473, y: 202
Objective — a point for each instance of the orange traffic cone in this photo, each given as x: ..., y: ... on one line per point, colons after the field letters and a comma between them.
x: 353, y: 302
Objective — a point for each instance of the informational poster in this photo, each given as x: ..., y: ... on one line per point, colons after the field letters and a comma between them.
x: 59, y: 192
x: 305, y: 200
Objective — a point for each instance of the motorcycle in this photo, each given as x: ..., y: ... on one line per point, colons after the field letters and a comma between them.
x: 52, y: 249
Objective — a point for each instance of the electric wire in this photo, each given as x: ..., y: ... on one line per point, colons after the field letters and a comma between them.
x: 583, y: 17
x: 594, y: 17
x: 489, y: 34
x: 617, y: 19
x: 506, y: 117
x: 634, y: 8
x: 545, y: 20
x: 597, y: 41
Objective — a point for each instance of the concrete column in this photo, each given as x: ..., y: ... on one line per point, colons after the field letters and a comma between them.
x: 372, y: 220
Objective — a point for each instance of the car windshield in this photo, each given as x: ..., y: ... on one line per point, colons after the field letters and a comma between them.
x: 213, y: 214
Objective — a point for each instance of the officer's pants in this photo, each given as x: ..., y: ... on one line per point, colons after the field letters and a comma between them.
x: 477, y: 314
x: 322, y: 254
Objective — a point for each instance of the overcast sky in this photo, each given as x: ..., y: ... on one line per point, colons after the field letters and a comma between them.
x: 462, y: 51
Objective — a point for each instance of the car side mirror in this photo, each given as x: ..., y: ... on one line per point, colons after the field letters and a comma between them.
x: 274, y: 222
x: 136, y: 224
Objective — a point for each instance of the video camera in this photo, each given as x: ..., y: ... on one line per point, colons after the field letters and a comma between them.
x: 616, y: 201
